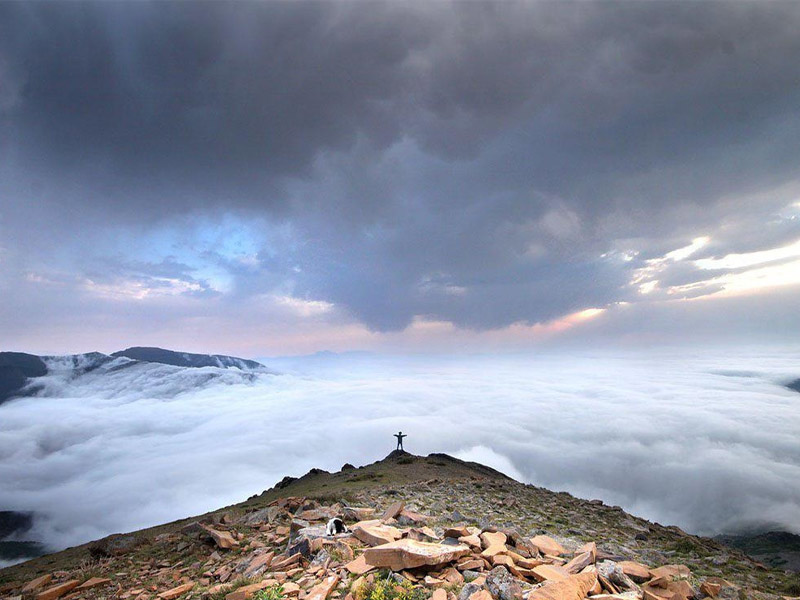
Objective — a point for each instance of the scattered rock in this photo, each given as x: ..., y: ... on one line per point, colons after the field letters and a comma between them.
x: 176, y: 592
x: 547, y: 545
x: 575, y: 587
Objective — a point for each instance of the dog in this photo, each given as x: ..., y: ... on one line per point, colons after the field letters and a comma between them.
x: 336, y: 525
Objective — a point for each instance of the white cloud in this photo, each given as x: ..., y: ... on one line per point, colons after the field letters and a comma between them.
x: 708, y: 442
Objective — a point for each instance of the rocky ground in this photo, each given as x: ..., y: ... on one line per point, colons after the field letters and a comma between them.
x: 419, y: 528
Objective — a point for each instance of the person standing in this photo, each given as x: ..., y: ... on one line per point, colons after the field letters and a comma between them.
x: 400, y: 437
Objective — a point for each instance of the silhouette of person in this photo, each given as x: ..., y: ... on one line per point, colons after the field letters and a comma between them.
x: 400, y: 437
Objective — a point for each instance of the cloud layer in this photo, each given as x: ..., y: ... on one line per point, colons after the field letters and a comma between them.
x: 706, y: 441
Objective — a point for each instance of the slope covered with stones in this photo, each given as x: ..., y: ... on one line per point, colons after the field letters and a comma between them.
x: 419, y: 528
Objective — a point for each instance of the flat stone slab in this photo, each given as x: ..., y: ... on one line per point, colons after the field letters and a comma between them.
x: 410, y: 554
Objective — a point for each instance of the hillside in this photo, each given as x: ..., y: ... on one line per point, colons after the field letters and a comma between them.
x: 467, y: 532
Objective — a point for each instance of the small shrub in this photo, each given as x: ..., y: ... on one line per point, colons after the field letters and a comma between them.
x: 273, y: 592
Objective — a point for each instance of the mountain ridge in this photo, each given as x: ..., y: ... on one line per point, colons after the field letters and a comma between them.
x: 448, y: 491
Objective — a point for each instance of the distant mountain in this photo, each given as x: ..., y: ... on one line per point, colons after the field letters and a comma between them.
x: 778, y: 549
x: 19, y: 371
x: 15, y: 369
x: 187, y: 359
x: 794, y: 385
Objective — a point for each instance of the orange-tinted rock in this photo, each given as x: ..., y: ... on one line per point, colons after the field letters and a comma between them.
x: 493, y: 543
x: 710, y: 589
x: 322, y: 590
x: 394, y: 510
x: 575, y: 587
x: 481, y: 595
x: 38, y: 583
x: 456, y: 532
x: 549, y: 573
x: 636, y: 571
x: 176, y: 592
x: 471, y: 564
x: 374, y: 533
x: 590, y: 547
x: 579, y: 563
x: 547, y: 545
x: 358, y: 566
x: 471, y: 540
x: 223, y: 539
x: 671, y: 571
x: 409, y: 554
x: 58, y: 590
x: 92, y: 583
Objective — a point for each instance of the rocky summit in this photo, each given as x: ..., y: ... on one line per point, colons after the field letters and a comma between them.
x: 418, y: 528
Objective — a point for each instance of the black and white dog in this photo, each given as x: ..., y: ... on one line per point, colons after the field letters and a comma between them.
x: 336, y: 525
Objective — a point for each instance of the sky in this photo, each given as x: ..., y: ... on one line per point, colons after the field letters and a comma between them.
x: 281, y: 178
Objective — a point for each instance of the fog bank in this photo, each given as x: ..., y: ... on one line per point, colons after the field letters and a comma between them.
x: 707, y: 441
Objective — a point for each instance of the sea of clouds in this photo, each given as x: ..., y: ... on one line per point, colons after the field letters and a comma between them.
x: 708, y: 441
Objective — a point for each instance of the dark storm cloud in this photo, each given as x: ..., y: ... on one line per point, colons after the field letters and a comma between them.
x: 468, y: 162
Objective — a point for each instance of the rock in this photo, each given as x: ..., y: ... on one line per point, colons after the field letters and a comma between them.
x: 493, y: 543
x: 468, y: 590
x: 322, y: 590
x: 411, y: 518
x: 456, y: 532
x: 58, y: 590
x: 579, y: 563
x: 671, y: 571
x: 549, y: 573
x: 547, y: 545
x: 636, y: 571
x: 591, y: 547
x: 503, y: 585
x: 38, y: 583
x: 422, y: 534
x: 439, y: 594
x: 359, y: 566
x: 351, y: 513
x: 409, y: 554
x: 176, y: 592
x: 471, y: 540
x: 393, y: 511
x: 223, y: 539
x: 576, y: 587
x: 265, y: 515
x: 613, y: 573
x: 480, y: 595
x: 347, y: 467
x: 374, y: 533
x: 92, y: 583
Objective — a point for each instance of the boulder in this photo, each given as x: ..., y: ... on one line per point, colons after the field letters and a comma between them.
x: 579, y: 563
x: 409, y: 554
x: 549, y: 573
x: 223, y: 539
x: 358, y: 566
x: 493, y: 543
x: 374, y: 533
x: 575, y: 587
x: 58, y: 590
x: 36, y: 584
x: 636, y: 571
x: 671, y: 571
x: 393, y: 511
x: 547, y: 545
